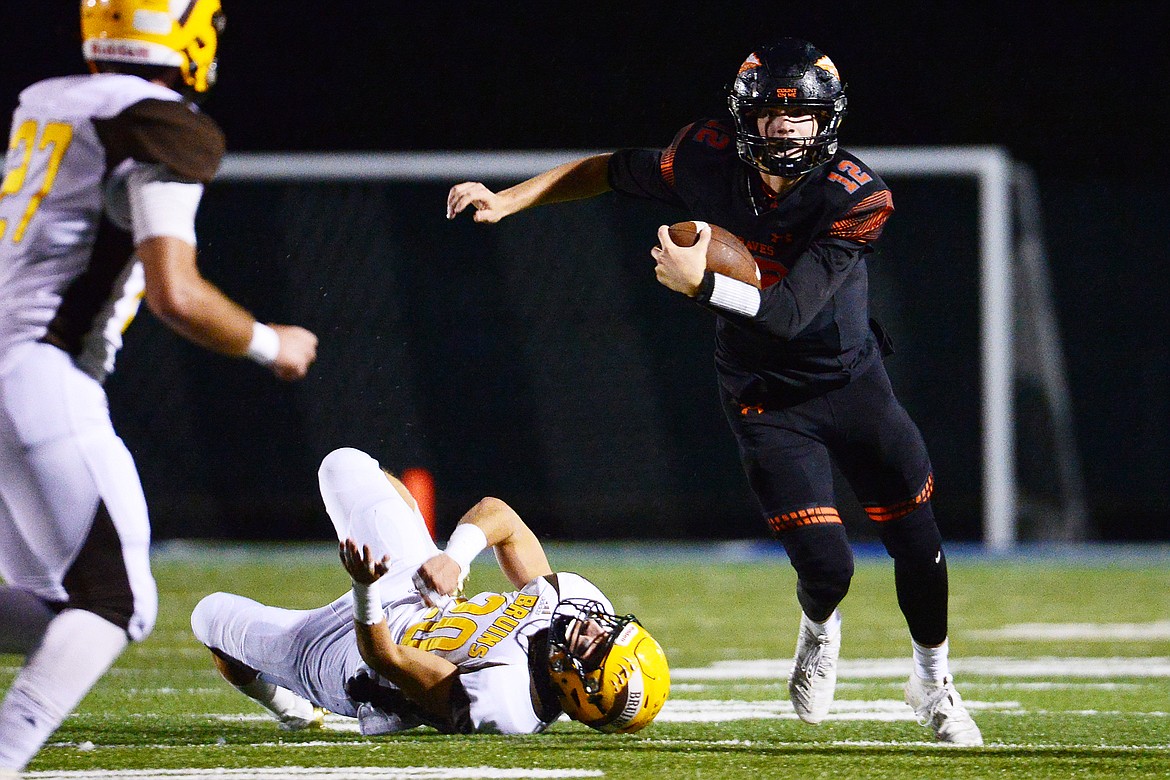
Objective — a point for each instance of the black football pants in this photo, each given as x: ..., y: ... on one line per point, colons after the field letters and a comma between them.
x: 787, y: 455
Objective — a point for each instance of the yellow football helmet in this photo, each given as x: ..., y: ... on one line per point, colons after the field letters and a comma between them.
x: 610, y: 674
x: 178, y: 33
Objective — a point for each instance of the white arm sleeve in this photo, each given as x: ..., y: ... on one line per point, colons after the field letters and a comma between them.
x: 161, y: 204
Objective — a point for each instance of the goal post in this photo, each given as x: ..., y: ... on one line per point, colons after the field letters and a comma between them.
x: 997, y: 177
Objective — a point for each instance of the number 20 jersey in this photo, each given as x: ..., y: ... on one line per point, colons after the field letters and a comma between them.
x: 67, y: 273
x: 487, y: 636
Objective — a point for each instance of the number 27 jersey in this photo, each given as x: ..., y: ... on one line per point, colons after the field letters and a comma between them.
x: 67, y: 273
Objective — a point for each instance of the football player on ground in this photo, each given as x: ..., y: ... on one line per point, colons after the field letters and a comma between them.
x: 103, y: 177
x: 398, y: 651
x: 800, y: 362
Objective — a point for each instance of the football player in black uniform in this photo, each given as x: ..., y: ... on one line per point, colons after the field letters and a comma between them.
x: 799, y: 362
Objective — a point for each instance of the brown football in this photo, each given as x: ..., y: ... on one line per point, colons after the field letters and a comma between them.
x: 726, y: 254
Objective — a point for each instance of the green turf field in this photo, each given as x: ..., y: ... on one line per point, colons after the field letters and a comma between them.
x: 1084, y: 693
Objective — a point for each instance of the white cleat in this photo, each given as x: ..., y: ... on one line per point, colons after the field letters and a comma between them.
x: 941, y: 708
x: 814, y: 672
x: 297, y: 723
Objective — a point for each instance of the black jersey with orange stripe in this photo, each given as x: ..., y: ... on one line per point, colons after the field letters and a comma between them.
x: 812, y: 332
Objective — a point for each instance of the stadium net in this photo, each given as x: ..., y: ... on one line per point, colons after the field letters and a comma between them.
x: 1029, y: 480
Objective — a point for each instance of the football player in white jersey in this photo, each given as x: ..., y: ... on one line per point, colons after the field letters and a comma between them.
x: 102, y: 180
x: 398, y: 651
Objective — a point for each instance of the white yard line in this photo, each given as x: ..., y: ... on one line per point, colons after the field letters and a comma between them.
x: 320, y: 773
x: 893, y: 668
x: 1159, y: 630
x: 723, y: 710
x: 747, y: 743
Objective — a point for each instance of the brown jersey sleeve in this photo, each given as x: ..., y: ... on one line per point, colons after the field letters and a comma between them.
x: 169, y: 132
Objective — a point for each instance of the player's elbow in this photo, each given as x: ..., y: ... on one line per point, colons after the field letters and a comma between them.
x: 174, y: 304
x: 500, y: 516
x: 493, y: 505
x: 784, y: 329
x: 784, y: 326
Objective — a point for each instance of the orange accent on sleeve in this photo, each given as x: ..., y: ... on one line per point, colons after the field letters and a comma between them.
x: 666, y: 165
x: 816, y: 515
x: 884, y: 514
x: 666, y: 162
x: 865, y: 221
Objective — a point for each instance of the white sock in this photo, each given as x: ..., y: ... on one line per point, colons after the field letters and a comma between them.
x: 831, y: 626
x: 76, y: 650
x: 281, y: 702
x: 930, y: 663
x: 24, y: 618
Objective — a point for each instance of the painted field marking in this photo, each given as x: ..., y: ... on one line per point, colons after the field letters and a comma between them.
x: 723, y: 710
x: 866, y: 743
x: 881, y: 668
x: 319, y: 773
x: 1159, y: 630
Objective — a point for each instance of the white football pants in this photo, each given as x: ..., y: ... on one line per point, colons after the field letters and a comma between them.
x: 313, y: 652
x: 61, y: 466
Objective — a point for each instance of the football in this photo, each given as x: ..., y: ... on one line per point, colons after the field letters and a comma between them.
x: 726, y: 254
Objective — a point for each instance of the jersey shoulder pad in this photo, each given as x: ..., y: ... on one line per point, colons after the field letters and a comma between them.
x: 697, y: 150
x: 708, y: 138
x: 169, y: 132
x: 860, y: 199
x: 96, y: 96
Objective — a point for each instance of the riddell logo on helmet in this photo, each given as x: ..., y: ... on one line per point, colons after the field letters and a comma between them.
x: 99, y: 49
x: 626, y: 635
x: 786, y: 92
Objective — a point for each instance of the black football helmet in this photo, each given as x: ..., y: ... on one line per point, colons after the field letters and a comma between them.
x: 788, y: 73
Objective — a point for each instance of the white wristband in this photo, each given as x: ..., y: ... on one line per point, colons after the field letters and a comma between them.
x: 367, y: 603
x: 734, y: 295
x: 265, y: 344
x: 466, y: 542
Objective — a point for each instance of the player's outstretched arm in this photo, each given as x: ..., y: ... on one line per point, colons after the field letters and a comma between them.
x: 490, y: 523
x: 197, y: 310
x: 424, y: 678
x: 573, y: 180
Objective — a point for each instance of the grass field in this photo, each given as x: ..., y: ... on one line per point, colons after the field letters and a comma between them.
x: 1063, y: 659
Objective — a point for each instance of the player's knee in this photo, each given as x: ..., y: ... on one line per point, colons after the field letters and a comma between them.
x: 203, y: 617
x: 818, y: 598
x: 914, y: 538
x: 823, y: 561
x: 828, y: 582
x: 341, y: 460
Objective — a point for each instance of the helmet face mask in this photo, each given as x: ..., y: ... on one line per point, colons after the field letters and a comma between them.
x: 180, y: 34
x: 609, y: 672
x: 790, y: 75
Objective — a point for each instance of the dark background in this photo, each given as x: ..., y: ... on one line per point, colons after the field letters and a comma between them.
x: 1075, y: 90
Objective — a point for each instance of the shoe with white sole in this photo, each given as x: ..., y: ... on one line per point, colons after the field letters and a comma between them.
x: 814, y: 672
x: 940, y: 707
